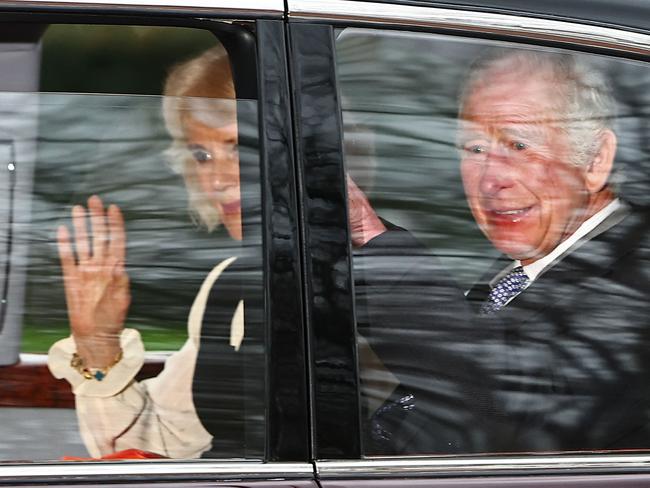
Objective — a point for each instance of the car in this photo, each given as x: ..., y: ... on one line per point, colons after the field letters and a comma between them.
x: 288, y: 386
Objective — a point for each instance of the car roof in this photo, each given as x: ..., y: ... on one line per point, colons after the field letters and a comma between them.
x: 630, y: 14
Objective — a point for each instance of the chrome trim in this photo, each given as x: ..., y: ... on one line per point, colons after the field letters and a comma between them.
x: 467, y: 20
x: 40, y: 359
x: 483, y: 465
x: 153, y: 469
x: 273, y: 8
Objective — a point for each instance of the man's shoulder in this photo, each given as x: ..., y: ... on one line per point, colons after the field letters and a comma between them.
x: 629, y: 231
x: 630, y: 240
x: 618, y: 253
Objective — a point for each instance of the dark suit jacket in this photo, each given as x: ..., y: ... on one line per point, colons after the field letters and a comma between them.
x: 566, y: 365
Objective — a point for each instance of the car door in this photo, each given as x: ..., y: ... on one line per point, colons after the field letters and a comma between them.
x: 97, y: 100
x: 377, y: 89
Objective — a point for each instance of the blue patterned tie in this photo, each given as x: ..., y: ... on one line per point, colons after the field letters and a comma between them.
x: 506, y: 288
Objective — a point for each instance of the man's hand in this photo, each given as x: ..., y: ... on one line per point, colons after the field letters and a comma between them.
x: 364, y: 223
x: 96, y: 284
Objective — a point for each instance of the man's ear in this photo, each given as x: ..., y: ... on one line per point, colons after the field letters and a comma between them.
x: 600, y: 167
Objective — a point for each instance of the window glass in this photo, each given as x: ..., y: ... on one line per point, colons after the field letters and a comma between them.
x: 130, y: 215
x: 499, y: 222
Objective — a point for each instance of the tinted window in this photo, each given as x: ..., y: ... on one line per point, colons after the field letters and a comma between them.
x: 502, y: 300
x: 131, y: 208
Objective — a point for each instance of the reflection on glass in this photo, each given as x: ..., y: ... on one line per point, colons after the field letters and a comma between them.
x: 508, y: 311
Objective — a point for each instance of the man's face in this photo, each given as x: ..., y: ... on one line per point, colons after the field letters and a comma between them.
x: 523, y: 191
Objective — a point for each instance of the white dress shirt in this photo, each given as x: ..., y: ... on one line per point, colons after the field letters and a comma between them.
x: 535, y: 269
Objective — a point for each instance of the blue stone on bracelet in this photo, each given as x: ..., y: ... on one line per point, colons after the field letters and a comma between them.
x: 99, y: 375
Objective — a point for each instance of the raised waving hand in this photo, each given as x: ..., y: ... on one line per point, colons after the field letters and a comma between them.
x: 95, y: 281
x: 364, y: 222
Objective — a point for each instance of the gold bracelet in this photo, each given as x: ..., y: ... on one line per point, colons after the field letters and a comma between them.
x: 98, y: 374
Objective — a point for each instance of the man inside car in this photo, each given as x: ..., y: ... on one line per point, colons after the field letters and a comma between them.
x: 548, y: 350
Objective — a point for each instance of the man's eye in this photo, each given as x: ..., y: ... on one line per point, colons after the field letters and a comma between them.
x: 519, y: 146
x: 200, y: 154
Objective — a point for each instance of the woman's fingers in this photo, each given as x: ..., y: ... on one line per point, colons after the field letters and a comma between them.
x: 105, y: 236
x: 117, y: 242
x: 66, y: 255
x: 96, y: 283
x: 80, y: 233
x: 103, y: 249
x: 98, y: 226
x: 68, y: 267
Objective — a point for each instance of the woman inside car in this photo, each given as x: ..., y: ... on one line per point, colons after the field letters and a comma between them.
x: 168, y: 415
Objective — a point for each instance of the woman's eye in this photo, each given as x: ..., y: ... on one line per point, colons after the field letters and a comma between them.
x: 475, y: 148
x: 200, y: 154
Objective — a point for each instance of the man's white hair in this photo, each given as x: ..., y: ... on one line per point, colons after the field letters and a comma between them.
x: 584, y: 98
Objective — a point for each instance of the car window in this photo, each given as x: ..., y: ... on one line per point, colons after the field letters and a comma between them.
x: 498, y: 197
x: 131, y: 215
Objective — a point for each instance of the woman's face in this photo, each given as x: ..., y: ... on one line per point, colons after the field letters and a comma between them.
x: 215, y: 153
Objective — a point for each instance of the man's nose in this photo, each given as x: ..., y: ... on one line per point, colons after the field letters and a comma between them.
x: 496, y: 171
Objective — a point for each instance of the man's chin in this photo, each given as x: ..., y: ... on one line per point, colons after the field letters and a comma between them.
x: 520, y: 251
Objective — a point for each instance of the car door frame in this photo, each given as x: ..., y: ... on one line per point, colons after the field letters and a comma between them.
x: 287, y: 444
x: 329, y: 300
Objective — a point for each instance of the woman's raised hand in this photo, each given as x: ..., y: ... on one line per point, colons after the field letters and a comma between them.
x: 95, y: 281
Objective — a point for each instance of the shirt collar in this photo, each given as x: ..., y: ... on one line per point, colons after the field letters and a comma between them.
x: 533, y: 270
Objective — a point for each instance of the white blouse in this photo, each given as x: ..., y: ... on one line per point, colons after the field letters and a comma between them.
x: 156, y: 414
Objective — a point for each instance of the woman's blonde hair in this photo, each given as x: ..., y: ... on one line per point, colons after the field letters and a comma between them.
x: 203, y: 88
